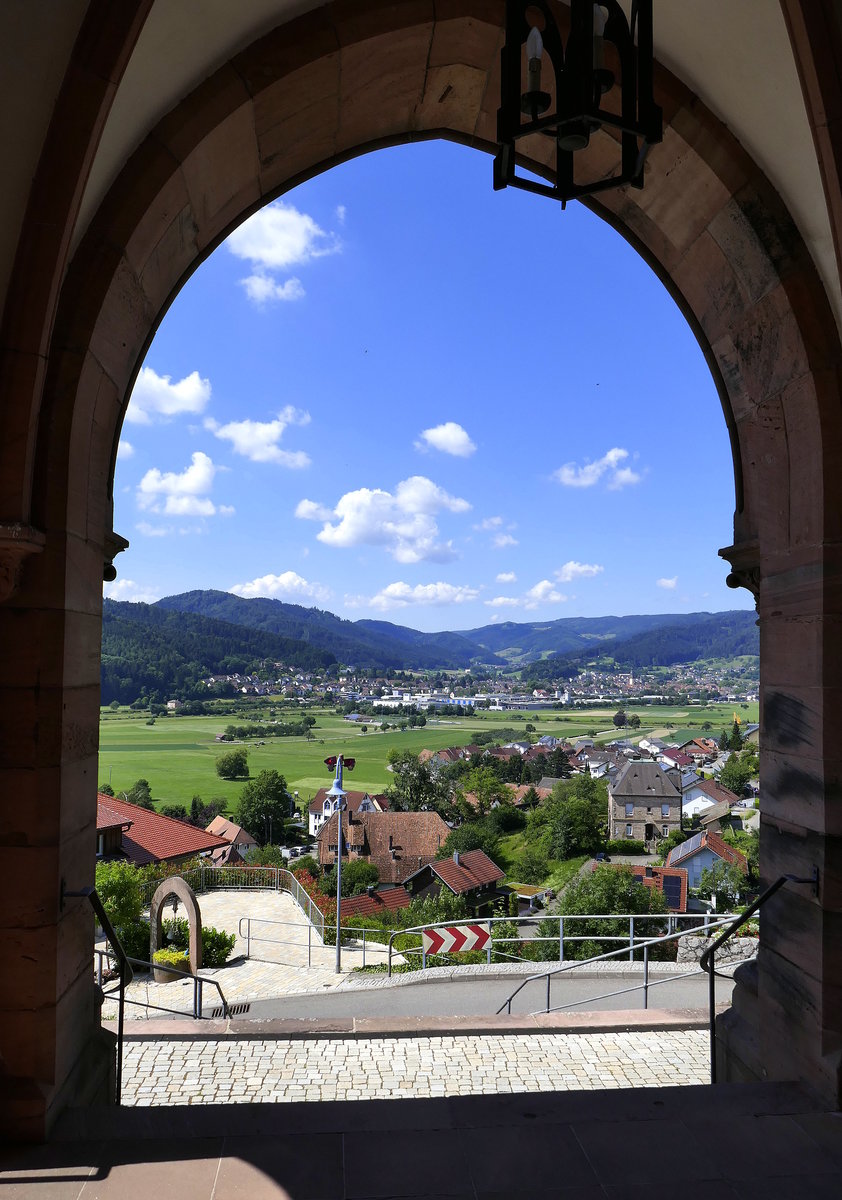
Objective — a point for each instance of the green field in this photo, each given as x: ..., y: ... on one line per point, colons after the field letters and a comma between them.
x: 177, y: 754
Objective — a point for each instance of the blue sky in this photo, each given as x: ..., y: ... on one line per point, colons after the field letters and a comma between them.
x: 398, y: 394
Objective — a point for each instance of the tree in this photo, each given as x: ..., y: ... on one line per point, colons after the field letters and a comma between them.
x: 723, y: 740
x: 177, y: 811
x: 606, y: 890
x: 735, y: 775
x: 264, y: 806
x: 356, y: 877
x: 233, y: 765
x: 577, y: 815
x: 485, y: 785
x: 723, y: 882
x: 531, y: 865
x: 735, y: 741
x: 118, y: 885
x: 473, y: 835
x: 415, y: 788
x: 106, y: 789
x: 620, y: 718
x: 114, y: 705
x: 634, y: 721
x: 140, y: 794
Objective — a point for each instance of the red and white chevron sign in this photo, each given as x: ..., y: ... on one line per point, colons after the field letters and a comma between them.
x: 454, y: 938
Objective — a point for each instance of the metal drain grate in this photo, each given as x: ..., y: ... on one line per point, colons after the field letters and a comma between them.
x: 234, y: 1010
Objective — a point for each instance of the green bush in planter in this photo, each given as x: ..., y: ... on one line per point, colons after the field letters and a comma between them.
x: 171, y: 958
x: 216, y: 943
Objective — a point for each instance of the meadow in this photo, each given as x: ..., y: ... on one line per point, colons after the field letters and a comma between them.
x: 177, y: 755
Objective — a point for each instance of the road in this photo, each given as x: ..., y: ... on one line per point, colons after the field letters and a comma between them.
x: 483, y: 997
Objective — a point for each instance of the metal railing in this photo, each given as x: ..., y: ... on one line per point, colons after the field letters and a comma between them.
x: 248, y: 929
x: 198, y: 982
x: 707, y: 963
x: 643, y: 947
x: 631, y: 943
x: 215, y: 879
x: 125, y: 973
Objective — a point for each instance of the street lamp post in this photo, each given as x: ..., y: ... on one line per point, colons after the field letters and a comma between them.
x: 337, y: 793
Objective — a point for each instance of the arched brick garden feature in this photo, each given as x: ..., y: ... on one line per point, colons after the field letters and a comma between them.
x: 344, y: 80
x: 178, y: 887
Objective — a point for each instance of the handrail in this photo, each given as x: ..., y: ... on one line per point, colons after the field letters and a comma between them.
x: 126, y: 974
x: 198, y: 983
x: 706, y: 962
x: 578, y: 963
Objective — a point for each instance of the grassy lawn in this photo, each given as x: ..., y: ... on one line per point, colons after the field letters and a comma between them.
x: 177, y: 754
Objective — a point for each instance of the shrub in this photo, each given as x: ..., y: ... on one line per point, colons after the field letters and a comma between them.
x: 216, y: 943
x: 216, y: 946
x: 625, y: 846
x: 307, y: 864
x: 118, y: 885
x: 134, y: 938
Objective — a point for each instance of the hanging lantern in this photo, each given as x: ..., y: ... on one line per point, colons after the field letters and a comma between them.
x: 576, y: 68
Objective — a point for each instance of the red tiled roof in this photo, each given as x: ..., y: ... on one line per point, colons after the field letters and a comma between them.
x: 398, y: 843
x: 107, y: 818
x: 717, y: 793
x: 365, y: 905
x: 153, y: 837
x: 519, y: 790
x: 231, y: 832
x: 474, y: 870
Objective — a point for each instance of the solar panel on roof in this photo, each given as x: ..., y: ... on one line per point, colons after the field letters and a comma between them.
x: 689, y: 847
x: 672, y: 890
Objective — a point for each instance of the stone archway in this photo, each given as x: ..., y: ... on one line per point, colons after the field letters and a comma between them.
x: 342, y: 81
x: 177, y: 887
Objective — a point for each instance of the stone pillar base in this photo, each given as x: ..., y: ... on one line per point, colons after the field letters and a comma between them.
x: 28, y: 1109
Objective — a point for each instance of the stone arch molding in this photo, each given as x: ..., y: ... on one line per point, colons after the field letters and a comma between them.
x: 339, y: 82
x: 182, y: 890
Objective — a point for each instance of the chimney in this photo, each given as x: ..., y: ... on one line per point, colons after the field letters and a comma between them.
x: 648, y: 872
x: 390, y: 841
x: 369, y: 891
x: 456, y: 857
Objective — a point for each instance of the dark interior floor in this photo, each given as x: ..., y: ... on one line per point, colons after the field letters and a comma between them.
x: 752, y: 1141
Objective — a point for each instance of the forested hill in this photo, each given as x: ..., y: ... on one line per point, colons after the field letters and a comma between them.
x: 720, y: 635
x: 377, y: 645
x: 146, y: 649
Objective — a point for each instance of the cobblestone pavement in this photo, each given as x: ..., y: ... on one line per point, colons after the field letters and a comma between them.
x: 226, y: 1071
x: 278, y: 965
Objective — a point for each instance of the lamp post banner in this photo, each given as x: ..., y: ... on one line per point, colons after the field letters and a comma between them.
x: 455, y: 938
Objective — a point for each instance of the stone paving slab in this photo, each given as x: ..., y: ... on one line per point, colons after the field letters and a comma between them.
x: 281, y: 963
x: 217, y: 1071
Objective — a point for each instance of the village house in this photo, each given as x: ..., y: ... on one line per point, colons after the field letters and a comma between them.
x: 671, y: 882
x: 374, y: 901
x: 323, y: 806
x: 703, y: 851
x: 703, y: 795
x: 643, y: 803
x: 470, y: 874
x: 396, y: 843
x: 140, y: 836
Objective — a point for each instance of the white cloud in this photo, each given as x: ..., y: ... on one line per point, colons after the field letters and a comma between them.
x: 450, y: 438
x: 288, y: 585
x: 262, y: 289
x: 341, y: 212
x: 309, y: 510
x: 504, y: 602
x: 127, y: 589
x: 506, y: 577
x: 501, y: 540
x: 156, y: 395
x: 669, y: 584
x: 576, y: 570
x: 402, y: 523
x: 124, y: 450
x: 148, y: 530
x: 258, y: 440
x: 274, y: 239
x: 401, y: 595
x: 489, y: 523
x: 543, y: 593
x: 590, y: 474
x: 184, y: 493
